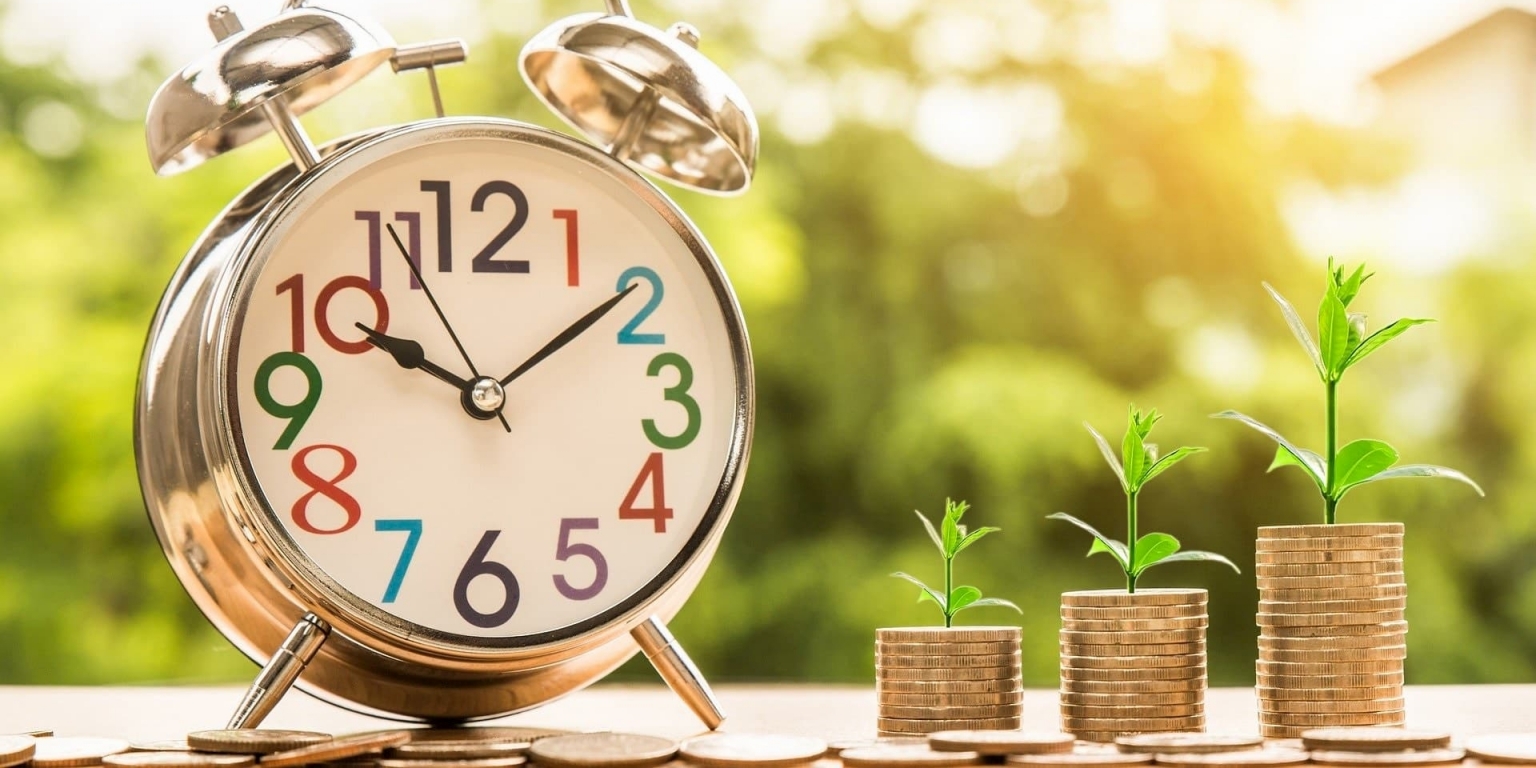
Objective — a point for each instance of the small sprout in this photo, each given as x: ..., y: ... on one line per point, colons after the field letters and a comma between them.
x: 952, y: 538
x: 1136, y: 465
x: 1342, y: 343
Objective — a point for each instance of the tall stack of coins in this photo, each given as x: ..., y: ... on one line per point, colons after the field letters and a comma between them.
x: 948, y: 679
x: 1332, y: 637
x: 1132, y: 662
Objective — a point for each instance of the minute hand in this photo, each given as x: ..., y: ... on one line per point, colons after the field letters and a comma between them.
x: 566, y: 336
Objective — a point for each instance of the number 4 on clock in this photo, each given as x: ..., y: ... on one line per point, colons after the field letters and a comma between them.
x: 658, y: 512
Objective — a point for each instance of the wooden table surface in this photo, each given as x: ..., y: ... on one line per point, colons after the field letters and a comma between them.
x: 828, y: 711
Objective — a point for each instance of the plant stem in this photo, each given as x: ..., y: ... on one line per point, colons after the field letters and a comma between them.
x: 949, y: 591
x: 1330, y: 504
x: 1130, y: 543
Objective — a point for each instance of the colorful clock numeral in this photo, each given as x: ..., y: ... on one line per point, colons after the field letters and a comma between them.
x: 630, y: 334
x: 658, y: 513
x: 412, y: 221
x: 565, y: 550
x: 327, y: 487
x: 443, y: 190
x: 677, y: 393
x: 479, y: 566
x: 298, y: 413
x: 295, y: 286
x: 485, y: 260
x: 412, y: 531
x: 572, y: 247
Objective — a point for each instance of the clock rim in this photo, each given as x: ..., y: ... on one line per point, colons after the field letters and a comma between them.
x: 349, y: 612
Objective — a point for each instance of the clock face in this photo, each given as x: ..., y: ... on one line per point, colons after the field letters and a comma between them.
x: 538, y: 469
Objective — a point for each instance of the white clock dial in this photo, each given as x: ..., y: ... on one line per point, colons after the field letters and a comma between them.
x: 412, y: 497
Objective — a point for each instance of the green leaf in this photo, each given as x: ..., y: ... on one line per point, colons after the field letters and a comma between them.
x: 1133, y: 450
x: 1162, y: 465
x: 1298, y: 328
x: 970, y: 538
x: 1333, y: 334
x: 951, y: 530
x: 1101, y: 543
x: 1284, y: 458
x: 1152, y: 548
x: 1375, y: 341
x: 928, y: 592
x: 961, y: 597
x: 1361, y: 460
x: 1109, y: 455
x: 932, y: 534
x: 991, y: 602
x: 1349, y: 288
x: 1309, y: 461
x: 1195, y: 555
x: 1416, y: 470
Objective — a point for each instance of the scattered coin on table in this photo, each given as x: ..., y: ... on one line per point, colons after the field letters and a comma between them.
x: 752, y: 750
x: 839, y: 746
x: 1096, y: 758
x: 906, y: 756
x: 603, y: 750
x: 254, y: 741
x: 1390, y: 757
x: 1186, y: 743
x: 337, y: 749
x: 162, y: 745
x: 182, y: 759
x: 15, y: 750
x: 991, y: 743
x: 1247, y: 758
x: 1503, y: 748
x: 510, y: 761
x: 1373, y: 739
x: 71, y: 751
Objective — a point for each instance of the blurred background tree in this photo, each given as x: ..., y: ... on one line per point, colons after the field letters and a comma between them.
x: 975, y: 225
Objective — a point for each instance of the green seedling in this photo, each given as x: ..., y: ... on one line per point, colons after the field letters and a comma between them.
x: 952, y: 538
x: 1137, y: 464
x: 1342, y: 343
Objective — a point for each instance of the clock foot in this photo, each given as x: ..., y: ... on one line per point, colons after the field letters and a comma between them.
x: 674, y: 666
x: 281, y: 671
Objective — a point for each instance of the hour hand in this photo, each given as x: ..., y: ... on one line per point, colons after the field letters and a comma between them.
x: 408, y: 354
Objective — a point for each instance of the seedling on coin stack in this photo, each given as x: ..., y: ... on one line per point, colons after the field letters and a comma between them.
x: 1134, y: 661
x: 949, y: 678
x: 1331, y: 597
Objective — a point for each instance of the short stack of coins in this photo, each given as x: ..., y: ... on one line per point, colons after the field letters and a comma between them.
x: 932, y: 679
x: 1132, y: 662
x: 1333, y: 637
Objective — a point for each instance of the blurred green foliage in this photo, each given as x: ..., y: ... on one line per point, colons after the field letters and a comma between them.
x: 921, y: 330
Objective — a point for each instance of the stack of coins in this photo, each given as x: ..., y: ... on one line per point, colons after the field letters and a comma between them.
x: 1332, y: 637
x: 948, y: 679
x: 1132, y: 662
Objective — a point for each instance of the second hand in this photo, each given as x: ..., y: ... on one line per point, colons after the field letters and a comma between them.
x: 416, y: 272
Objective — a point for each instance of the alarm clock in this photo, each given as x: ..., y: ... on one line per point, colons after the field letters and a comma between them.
x: 445, y: 420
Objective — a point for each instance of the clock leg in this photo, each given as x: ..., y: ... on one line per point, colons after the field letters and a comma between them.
x: 281, y: 671
x: 674, y: 666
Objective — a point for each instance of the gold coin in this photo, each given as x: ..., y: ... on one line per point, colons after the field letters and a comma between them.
x: 1124, y: 725
x: 1132, y: 662
x: 1336, y: 719
x: 887, y: 661
x: 35, y: 734
x: 1333, y: 543
x: 509, y: 761
x: 752, y: 750
x: 835, y: 748
x: 1329, y: 530
x: 903, y: 725
x: 1268, y: 694
x: 1273, y: 733
x: 1155, y: 673
x: 993, y: 743
x: 945, y: 649
x: 949, y: 699
x: 1391, y: 639
x: 1374, y: 739
x: 517, y: 733
x: 17, y: 749
x: 949, y: 635
x: 938, y: 675
x: 1342, y: 630
x: 1293, y: 570
x: 1107, y: 598
x: 604, y: 750
x: 1132, y: 612
x: 67, y: 751
x: 1009, y: 685
x: 1329, y: 556
x: 1186, y: 743
x: 1330, y: 681
x: 460, y: 749
x: 163, y: 745
x: 1135, y: 625
x: 177, y: 759
x: 1133, y: 710
x: 1407, y: 757
x: 1332, y: 620
x: 1332, y: 581
x: 1146, y: 649
x: 952, y: 713
x: 337, y: 749
x: 1364, y: 605
x: 1132, y: 697
x: 1334, y: 593
x: 1246, y: 758
x: 1077, y: 758
x: 916, y: 756
x: 1145, y: 637
x: 1133, y: 686
x: 1374, y: 667
x: 253, y: 741
x: 1385, y: 652
x: 1391, y: 704
x: 1503, y: 748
